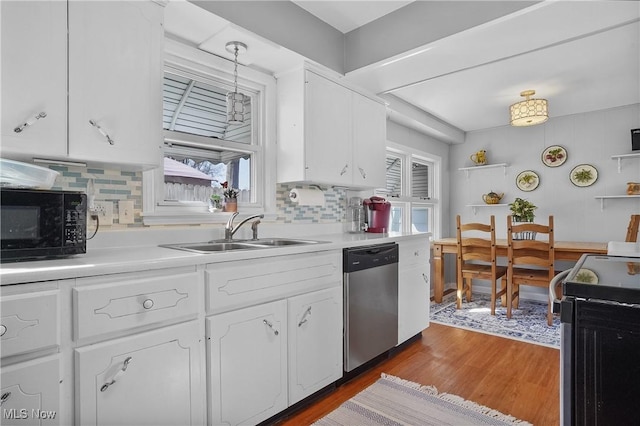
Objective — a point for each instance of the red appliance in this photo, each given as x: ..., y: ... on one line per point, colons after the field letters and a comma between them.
x: 378, y: 214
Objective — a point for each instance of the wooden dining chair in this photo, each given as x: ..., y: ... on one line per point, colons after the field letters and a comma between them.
x: 632, y: 230
x: 476, y: 245
x: 530, y: 262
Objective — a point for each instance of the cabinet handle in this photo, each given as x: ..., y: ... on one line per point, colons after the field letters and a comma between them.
x: 5, y: 397
x: 30, y: 121
x: 3, y: 329
x: 416, y: 253
x: 147, y: 304
x: 362, y: 173
x: 304, y: 316
x: 344, y: 169
x: 120, y: 372
x: 276, y: 332
x: 102, y: 132
x: 425, y: 278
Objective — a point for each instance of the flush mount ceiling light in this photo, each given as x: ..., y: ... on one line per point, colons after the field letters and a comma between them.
x: 530, y: 111
x: 236, y: 102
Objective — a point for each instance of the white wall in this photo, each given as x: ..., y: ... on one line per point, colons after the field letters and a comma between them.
x: 590, y: 138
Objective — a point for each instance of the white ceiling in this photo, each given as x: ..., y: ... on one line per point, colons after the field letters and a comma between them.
x: 349, y: 15
x: 580, y: 55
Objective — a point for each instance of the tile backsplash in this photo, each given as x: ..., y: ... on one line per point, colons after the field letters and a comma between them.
x: 109, y: 185
x: 115, y: 185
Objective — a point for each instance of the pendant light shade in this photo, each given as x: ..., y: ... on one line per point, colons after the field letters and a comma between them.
x: 530, y: 111
x: 236, y: 101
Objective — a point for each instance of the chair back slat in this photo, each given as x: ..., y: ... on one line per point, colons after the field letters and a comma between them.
x: 632, y: 230
x: 538, y: 252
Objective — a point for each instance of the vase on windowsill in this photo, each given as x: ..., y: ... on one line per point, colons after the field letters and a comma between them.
x: 231, y: 205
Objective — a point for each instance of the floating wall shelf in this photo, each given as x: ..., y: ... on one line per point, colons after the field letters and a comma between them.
x: 475, y: 207
x: 610, y: 197
x: 488, y: 166
x: 621, y: 156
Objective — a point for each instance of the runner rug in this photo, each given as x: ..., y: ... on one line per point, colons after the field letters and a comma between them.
x: 528, y: 323
x: 395, y: 401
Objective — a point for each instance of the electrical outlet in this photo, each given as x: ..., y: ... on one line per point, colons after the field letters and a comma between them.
x: 104, y: 210
x: 125, y: 211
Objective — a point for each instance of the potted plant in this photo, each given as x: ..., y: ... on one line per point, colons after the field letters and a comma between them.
x: 215, y: 203
x: 523, y: 211
x: 230, y: 197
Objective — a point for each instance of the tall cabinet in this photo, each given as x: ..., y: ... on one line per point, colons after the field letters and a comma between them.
x: 93, y: 94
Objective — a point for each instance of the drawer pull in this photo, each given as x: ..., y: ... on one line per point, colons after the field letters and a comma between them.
x: 5, y: 397
x: 304, y: 317
x: 3, y: 329
x: 275, y: 331
x: 117, y: 376
x: 147, y: 304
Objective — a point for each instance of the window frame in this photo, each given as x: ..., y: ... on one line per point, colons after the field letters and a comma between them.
x: 189, y: 62
x: 404, y: 200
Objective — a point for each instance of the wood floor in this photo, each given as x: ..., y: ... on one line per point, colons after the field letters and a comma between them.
x: 512, y: 377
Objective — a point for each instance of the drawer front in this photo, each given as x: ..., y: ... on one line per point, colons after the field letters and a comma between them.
x: 30, y: 322
x: 414, y: 252
x: 235, y: 285
x: 125, y: 302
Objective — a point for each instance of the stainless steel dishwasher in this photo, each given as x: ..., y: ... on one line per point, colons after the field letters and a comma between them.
x: 370, y: 303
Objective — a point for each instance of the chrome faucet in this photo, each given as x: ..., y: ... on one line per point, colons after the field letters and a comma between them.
x: 229, y: 229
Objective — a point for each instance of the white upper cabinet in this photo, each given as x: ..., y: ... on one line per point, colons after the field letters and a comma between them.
x: 329, y: 134
x: 106, y: 70
x: 115, y: 81
x: 34, y: 78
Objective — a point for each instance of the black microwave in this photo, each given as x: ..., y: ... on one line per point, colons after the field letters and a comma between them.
x: 39, y: 224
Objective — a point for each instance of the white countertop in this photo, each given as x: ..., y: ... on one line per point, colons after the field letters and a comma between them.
x: 103, y: 261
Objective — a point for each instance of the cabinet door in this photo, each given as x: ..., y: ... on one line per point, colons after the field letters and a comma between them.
x: 369, y: 142
x: 315, y: 342
x: 413, y: 301
x: 31, y: 392
x: 115, y: 80
x: 247, y: 360
x: 149, y: 378
x: 34, y: 78
x: 328, y: 149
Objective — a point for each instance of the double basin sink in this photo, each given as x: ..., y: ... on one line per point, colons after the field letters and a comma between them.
x: 217, y: 246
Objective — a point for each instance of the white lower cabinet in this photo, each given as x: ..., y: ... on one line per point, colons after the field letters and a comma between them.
x: 30, y: 392
x: 148, y: 378
x: 265, y: 358
x: 315, y: 342
x: 247, y: 362
x: 414, y: 288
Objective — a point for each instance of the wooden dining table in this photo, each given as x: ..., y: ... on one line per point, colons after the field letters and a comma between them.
x: 564, y: 250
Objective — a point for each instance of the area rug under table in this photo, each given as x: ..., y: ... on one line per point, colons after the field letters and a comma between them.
x: 395, y: 401
x: 528, y: 323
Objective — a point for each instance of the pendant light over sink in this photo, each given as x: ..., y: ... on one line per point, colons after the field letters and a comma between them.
x: 530, y: 111
x: 236, y: 102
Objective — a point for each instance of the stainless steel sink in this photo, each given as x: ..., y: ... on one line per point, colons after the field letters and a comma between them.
x: 212, y: 247
x: 274, y: 242
x: 224, y: 246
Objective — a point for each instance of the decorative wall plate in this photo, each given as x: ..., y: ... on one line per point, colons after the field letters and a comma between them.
x: 583, y: 175
x: 585, y: 275
x: 554, y: 156
x: 527, y: 181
